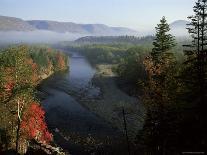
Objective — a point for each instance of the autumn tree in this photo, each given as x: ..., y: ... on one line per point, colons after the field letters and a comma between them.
x: 18, y: 88
x: 33, y: 124
x: 22, y: 119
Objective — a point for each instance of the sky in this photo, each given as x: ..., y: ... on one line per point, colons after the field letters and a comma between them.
x: 136, y: 14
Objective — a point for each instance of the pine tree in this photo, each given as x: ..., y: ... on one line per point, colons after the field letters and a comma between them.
x: 158, y: 94
x: 194, y: 74
x: 163, y: 40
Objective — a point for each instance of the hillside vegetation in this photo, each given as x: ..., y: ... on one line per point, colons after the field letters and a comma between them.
x: 22, y: 117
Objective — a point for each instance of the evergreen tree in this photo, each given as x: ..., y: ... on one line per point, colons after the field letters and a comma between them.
x: 163, y: 40
x: 159, y: 89
x: 196, y: 62
x: 194, y: 75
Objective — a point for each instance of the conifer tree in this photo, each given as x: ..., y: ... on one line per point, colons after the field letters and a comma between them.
x: 163, y: 40
x: 196, y: 52
x: 158, y: 95
x: 194, y: 74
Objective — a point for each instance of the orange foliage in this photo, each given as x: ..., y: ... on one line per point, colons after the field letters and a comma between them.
x: 34, y: 68
x: 60, y: 60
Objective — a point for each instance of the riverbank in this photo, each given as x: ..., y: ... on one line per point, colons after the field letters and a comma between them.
x: 77, y: 129
x: 112, y: 101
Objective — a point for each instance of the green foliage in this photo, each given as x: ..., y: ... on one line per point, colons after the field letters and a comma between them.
x: 39, y: 56
x: 131, y: 68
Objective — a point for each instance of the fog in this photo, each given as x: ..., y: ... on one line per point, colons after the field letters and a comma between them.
x: 38, y: 36
x: 43, y: 36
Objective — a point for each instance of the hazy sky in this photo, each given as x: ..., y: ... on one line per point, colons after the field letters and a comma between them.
x: 137, y: 14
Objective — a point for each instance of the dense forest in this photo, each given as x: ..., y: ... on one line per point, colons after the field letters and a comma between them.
x: 22, y: 118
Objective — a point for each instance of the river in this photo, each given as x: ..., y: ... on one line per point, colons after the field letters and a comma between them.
x: 75, y: 128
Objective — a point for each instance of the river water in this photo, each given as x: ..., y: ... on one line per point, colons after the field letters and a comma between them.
x: 75, y: 128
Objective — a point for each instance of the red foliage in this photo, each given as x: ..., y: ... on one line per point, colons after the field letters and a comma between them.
x: 9, y: 86
x: 33, y: 124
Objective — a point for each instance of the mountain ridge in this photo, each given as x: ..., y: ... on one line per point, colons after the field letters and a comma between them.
x: 16, y: 30
x: 18, y: 24
x: 13, y: 23
x: 178, y: 27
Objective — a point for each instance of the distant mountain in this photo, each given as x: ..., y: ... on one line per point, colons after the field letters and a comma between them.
x: 101, y: 29
x: 14, y: 24
x: 179, y: 24
x: 60, y: 27
x: 16, y: 30
x: 90, y: 29
x: 178, y: 28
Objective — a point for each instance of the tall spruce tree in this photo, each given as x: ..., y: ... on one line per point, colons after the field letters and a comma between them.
x: 163, y: 40
x: 195, y: 74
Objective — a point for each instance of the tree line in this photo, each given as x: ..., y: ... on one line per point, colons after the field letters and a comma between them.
x: 130, y: 40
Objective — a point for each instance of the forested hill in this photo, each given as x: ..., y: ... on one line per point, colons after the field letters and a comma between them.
x: 22, y: 117
x: 115, y: 40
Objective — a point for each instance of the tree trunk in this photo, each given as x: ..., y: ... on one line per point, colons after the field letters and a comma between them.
x: 17, y: 135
